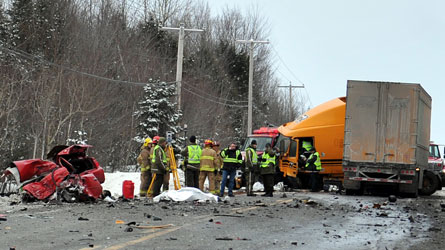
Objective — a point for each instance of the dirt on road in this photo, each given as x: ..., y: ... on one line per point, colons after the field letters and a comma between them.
x: 291, y: 220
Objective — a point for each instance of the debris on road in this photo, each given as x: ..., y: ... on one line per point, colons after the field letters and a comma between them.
x: 377, y: 205
x: 230, y: 215
x: 83, y: 219
x: 392, y: 198
x: 309, y: 202
x: 3, y: 217
x: 238, y: 238
x: 109, y: 199
x: 224, y: 238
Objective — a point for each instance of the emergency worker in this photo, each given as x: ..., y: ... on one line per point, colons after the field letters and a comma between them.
x: 159, y: 165
x: 251, y: 167
x: 168, y: 170
x: 232, y: 160
x: 192, y: 154
x: 209, y: 161
x: 218, y: 167
x: 267, y: 170
x: 144, y: 160
x: 304, y: 153
x: 154, y: 142
x: 306, y: 145
x: 313, y: 164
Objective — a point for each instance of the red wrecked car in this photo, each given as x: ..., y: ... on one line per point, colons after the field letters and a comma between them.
x: 70, y: 175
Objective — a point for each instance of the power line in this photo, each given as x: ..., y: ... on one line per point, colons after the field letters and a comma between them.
x: 34, y: 57
x: 211, y: 96
x: 217, y: 102
x: 291, y: 72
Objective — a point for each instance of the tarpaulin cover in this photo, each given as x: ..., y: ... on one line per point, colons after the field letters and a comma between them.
x: 186, y: 194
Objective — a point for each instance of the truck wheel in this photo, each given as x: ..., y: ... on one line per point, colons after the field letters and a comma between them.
x: 430, y: 184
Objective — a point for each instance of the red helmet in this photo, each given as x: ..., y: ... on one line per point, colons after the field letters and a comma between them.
x: 156, y: 139
x: 215, y: 144
x: 208, y: 142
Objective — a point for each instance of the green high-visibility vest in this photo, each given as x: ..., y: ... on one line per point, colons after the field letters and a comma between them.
x: 164, y: 157
x: 232, y: 160
x: 268, y: 159
x: 317, y: 162
x: 254, y: 157
x: 306, y: 145
x: 195, y: 152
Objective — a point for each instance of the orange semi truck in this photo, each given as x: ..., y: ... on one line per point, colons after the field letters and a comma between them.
x: 324, y: 127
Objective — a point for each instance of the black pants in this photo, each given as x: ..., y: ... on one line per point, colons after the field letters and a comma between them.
x: 192, y: 178
x: 315, y: 186
x: 157, y: 184
x: 268, y: 180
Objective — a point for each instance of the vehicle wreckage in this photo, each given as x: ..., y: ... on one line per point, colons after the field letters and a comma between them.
x: 68, y: 175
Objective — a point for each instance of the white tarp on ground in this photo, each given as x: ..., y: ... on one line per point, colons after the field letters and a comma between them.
x: 259, y: 187
x: 186, y: 194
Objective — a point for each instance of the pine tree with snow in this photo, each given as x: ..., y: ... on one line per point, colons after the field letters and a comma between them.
x: 157, y: 112
x: 22, y: 24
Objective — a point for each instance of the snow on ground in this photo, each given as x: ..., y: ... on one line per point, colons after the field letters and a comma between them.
x: 113, y: 181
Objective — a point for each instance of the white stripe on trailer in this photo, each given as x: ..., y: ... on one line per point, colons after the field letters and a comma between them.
x: 378, y: 180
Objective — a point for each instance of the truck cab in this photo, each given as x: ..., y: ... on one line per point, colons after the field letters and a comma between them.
x: 323, y: 128
x: 436, y: 164
x: 262, y: 136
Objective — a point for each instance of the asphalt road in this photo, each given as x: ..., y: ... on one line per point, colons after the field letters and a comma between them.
x: 291, y: 220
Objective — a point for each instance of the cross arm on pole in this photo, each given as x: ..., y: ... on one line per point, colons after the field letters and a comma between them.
x: 251, y: 41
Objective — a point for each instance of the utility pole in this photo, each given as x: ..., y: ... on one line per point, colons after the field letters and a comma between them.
x: 290, y: 96
x: 251, y: 43
x: 181, y: 31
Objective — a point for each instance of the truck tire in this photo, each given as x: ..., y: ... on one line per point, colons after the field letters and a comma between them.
x: 430, y: 183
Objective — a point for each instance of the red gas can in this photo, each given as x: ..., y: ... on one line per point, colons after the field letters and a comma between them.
x: 128, y: 189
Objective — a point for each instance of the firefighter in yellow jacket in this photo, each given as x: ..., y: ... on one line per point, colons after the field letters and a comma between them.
x: 159, y: 165
x: 218, y: 175
x: 209, y: 160
x: 144, y: 160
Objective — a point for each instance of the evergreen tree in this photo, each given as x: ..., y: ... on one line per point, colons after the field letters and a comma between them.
x: 238, y: 73
x: 22, y: 24
x: 3, y: 26
x: 157, y: 112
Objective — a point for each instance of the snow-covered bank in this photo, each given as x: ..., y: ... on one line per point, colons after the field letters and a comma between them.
x: 113, y: 181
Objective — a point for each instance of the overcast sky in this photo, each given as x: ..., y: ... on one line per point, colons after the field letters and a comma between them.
x: 327, y: 42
